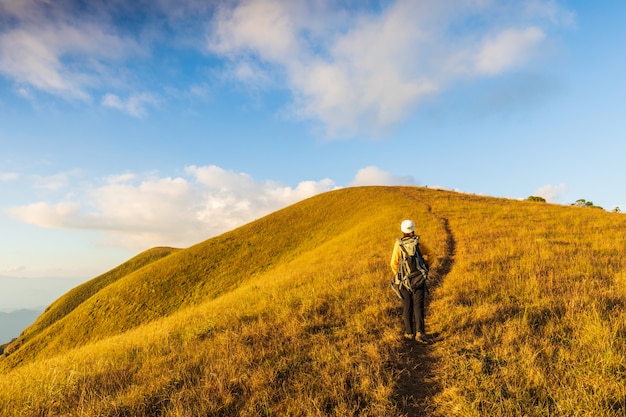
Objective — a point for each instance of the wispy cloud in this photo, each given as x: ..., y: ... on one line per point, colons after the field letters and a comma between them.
x: 63, y: 50
x: 141, y: 211
x: 9, y: 176
x: 135, y: 105
x: 55, y: 182
x: 367, y: 70
x: 349, y: 66
x: 507, y: 49
x: 54, y: 51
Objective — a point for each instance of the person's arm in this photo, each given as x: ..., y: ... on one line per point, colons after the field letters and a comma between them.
x: 395, y: 258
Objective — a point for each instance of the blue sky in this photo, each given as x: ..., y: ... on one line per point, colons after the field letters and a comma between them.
x: 128, y: 125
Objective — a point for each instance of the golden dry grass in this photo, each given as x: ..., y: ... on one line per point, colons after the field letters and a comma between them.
x: 292, y: 315
x: 533, y: 312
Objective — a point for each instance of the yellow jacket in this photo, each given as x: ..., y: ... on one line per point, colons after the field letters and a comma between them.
x: 396, y: 255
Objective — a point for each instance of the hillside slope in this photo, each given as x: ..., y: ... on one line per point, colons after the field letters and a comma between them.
x: 162, y: 281
x: 292, y: 315
x: 75, y: 297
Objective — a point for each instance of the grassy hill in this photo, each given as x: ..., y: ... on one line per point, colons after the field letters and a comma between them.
x: 292, y: 315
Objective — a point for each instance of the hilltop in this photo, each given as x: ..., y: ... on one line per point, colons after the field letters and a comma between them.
x: 292, y: 315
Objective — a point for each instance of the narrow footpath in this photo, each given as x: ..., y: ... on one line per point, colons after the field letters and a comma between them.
x: 416, y: 365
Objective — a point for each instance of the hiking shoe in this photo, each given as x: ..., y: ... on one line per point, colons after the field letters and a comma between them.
x: 409, y: 336
x: 422, y: 338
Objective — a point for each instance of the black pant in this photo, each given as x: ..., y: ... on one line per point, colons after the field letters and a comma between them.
x: 413, y: 309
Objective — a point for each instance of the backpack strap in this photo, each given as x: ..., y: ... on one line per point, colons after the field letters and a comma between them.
x: 401, y: 242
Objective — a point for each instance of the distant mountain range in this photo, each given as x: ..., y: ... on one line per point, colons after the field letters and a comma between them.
x: 12, y: 323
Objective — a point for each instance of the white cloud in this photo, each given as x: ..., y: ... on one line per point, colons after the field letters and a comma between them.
x: 266, y: 27
x: 552, y: 193
x: 51, y: 47
x: 372, y: 175
x: 135, y: 105
x: 46, y: 215
x: 552, y: 11
x: 344, y: 80
x: 58, y: 57
x: 9, y: 176
x: 121, y: 178
x: 507, y: 49
x: 55, y: 182
x: 139, y: 212
x: 360, y: 70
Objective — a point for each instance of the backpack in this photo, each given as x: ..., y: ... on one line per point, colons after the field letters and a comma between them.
x: 412, y: 270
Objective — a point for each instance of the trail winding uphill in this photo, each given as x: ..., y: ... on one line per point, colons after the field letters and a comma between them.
x: 416, y: 363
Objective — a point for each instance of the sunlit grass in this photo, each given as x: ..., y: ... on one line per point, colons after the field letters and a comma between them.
x: 533, y: 313
x: 292, y: 315
x: 296, y: 318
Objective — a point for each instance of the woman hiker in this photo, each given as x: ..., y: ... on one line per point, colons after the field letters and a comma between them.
x: 410, y: 277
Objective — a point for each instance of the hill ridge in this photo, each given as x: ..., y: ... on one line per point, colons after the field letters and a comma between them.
x: 186, y: 270
x: 527, y: 306
x: 73, y: 298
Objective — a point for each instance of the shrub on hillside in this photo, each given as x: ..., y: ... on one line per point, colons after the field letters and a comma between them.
x: 536, y: 198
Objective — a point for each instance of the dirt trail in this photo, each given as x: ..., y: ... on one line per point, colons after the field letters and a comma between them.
x: 416, y: 365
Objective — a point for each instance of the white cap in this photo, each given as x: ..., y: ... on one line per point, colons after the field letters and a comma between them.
x: 407, y: 226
